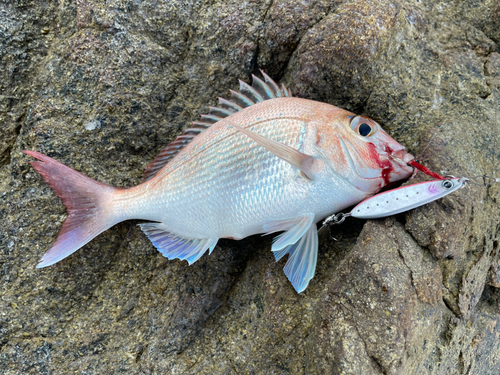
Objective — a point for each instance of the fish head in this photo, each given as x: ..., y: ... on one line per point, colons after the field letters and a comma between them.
x: 362, y: 152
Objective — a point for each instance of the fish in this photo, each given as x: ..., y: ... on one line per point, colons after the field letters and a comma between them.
x: 262, y: 162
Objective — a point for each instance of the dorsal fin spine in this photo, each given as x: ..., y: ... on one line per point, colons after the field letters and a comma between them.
x: 272, y: 84
x: 230, y: 104
x: 211, y: 118
x: 266, y: 90
x: 221, y: 111
x: 246, y: 87
x: 202, y: 124
x: 285, y: 91
x: 242, y: 98
x: 194, y: 129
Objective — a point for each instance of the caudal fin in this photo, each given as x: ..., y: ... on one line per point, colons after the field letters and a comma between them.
x: 85, y: 200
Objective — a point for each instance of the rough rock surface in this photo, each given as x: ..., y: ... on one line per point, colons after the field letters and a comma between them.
x: 104, y: 85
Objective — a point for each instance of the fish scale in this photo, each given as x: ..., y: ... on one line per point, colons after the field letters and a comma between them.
x: 264, y: 162
x: 264, y: 179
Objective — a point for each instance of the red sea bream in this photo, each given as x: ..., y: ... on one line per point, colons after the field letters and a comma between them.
x: 262, y: 162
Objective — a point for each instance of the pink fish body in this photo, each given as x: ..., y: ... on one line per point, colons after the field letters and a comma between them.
x: 264, y: 162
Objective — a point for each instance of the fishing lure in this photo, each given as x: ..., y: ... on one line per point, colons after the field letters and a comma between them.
x: 399, y: 200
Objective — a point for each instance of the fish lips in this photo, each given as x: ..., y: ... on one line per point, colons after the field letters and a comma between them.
x: 401, y: 158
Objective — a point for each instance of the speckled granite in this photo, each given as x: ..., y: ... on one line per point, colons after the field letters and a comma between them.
x: 102, y: 86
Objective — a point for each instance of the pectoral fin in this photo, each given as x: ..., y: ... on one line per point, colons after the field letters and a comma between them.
x: 294, y: 230
x: 301, y: 263
x: 296, y: 158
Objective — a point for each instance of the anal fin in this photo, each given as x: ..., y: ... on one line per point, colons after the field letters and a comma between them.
x: 303, y: 256
x: 173, y: 247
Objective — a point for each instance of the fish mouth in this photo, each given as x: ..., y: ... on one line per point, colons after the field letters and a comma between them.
x: 402, y: 158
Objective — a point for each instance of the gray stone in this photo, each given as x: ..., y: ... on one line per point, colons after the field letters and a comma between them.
x: 102, y: 86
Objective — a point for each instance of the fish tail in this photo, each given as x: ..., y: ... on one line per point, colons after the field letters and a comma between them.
x: 86, y: 201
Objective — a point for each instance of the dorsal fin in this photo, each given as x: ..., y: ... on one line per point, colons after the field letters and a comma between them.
x: 247, y: 96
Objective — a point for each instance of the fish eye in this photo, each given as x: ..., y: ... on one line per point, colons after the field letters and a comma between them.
x: 364, y: 129
x: 447, y: 184
x: 361, y: 126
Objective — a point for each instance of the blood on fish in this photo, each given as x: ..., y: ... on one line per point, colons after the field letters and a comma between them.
x: 385, y: 165
x: 385, y: 174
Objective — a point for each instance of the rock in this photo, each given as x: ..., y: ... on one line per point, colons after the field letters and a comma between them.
x: 383, y: 299
x: 336, y: 56
x: 24, y: 48
x: 103, y: 86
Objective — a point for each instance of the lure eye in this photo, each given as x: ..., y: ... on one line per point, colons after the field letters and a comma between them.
x: 361, y: 126
x: 447, y: 184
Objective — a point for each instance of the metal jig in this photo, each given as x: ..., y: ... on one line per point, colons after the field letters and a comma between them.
x: 399, y: 200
